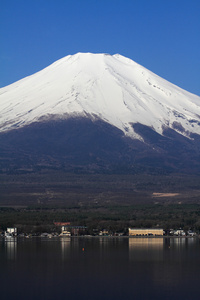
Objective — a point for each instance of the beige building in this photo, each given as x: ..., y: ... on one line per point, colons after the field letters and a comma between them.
x: 145, y: 232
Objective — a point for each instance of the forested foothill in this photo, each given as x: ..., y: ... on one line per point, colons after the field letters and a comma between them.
x: 34, y: 201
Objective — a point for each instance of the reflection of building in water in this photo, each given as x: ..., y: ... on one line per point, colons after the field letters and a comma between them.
x: 65, y: 246
x: 146, y: 249
x: 11, y: 247
x: 191, y: 240
x: 180, y: 242
x: 145, y: 232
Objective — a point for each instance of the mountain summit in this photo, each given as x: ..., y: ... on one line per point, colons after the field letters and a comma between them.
x: 113, y: 89
x: 98, y: 112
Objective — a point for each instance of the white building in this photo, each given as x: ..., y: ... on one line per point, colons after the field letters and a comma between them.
x: 179, y: 232
x: 11, y: 231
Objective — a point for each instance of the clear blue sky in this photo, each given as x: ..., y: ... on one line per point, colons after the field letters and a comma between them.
x: 161, y: 35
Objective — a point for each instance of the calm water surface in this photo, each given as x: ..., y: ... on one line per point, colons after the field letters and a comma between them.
x: 100, y: 268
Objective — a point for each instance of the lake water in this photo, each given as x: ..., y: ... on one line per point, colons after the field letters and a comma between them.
x: 100, y: 268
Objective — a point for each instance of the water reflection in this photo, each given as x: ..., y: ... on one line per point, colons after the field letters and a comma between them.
x: 107, y: 268
x: 192, y: 240
x: 11, y: 247
x: 179, y: 243
x: 65, y: 247
x: 146, y: 249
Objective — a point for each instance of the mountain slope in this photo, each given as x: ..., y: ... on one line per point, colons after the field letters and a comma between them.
x: 98, y: 113
x: 114, y: 89
x: 83, y: 145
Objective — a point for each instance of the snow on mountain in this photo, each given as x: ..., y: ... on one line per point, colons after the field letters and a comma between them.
x: 114, y: 89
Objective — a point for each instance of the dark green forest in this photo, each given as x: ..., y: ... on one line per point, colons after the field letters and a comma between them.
x: 34, y: 201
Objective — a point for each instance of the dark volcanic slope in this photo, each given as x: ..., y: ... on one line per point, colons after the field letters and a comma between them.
x: 79, y: 144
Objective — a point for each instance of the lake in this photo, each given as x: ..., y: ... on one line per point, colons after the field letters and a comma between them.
x: 100, y: 268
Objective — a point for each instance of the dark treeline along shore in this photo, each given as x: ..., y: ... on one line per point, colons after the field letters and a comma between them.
x: 34, y: 201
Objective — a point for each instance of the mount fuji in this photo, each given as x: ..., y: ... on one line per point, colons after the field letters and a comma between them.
x: 98, y: 112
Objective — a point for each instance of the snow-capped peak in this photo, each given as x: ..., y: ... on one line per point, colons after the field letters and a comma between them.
x: 109, y: 87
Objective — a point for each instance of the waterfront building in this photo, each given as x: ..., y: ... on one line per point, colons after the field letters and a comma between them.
x: 179, y: 232
x: 11, y: 232
x: 104, y: 232
x: 145, y: 232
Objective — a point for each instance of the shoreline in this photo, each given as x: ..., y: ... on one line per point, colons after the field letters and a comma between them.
x: 96, y: 237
